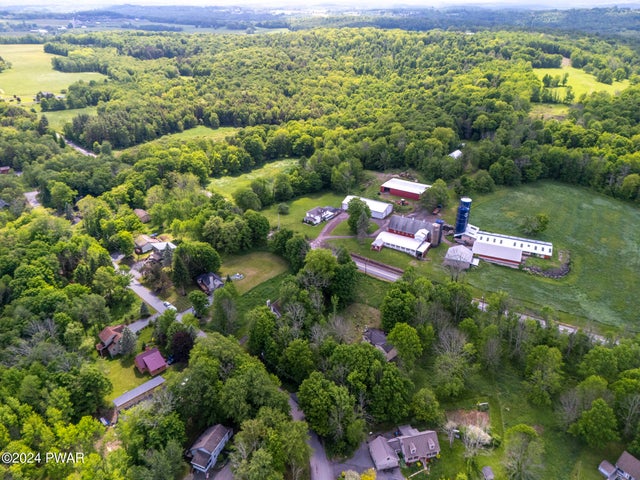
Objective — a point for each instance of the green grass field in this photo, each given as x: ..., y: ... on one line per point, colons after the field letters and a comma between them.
x: 58, y: 118
x: 342, y: 229
x: 201, y: 131
x: 599, y: 232
x: 31, y: 72
x: 257, y: 267
x: 226, y: 186
x: 297, y: 210
x: 122, y: 374
x: 581, y: 81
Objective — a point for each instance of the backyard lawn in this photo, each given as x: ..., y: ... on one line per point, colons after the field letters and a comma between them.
x: 122, y: 374
x: 257, y: 267
x: 297, y: 210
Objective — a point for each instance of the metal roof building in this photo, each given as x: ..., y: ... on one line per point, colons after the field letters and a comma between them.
x: 416, y: 247
x: 138, y: 394
x: 528, y: 246
x: 496, y: 253
x: 378, y: 209
x: 404, y: 188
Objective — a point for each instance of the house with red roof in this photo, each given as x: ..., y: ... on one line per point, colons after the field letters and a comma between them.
x: 151, y: 361
x: 110, y: 340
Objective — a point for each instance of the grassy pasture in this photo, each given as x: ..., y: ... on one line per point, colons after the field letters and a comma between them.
x: 201, y: 131
x: 581, y: 81
x: 257, y: 267
x: 599, y: 232
x: 226, y: 186
x: 58, y: 118
x: 31, y: 72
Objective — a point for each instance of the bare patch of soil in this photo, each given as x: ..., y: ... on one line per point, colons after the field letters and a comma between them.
x: 469, y: 417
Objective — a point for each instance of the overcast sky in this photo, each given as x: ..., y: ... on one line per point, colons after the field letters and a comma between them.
x: 69, y: 5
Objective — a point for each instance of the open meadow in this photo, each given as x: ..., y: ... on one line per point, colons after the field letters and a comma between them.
x: 580, y: 81
x: 598, y: 232
x: 31, y: 72
x: 227, y: 185
x: 256, y: 267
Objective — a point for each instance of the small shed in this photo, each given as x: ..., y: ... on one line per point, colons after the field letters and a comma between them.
x: 142, y: 215
x: 487, y: 473
x: 456, y: 154
x: 458, y: 256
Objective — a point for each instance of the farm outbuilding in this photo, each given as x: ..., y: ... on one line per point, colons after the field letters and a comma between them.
x: 404, y: 188
x: 378, y: 209
x: 496, y: 253
x: 416, y: 247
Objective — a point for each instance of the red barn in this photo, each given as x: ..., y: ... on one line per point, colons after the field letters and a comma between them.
x: 404, y: 188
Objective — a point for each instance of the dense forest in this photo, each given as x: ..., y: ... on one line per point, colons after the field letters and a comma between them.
x: 340, y: 101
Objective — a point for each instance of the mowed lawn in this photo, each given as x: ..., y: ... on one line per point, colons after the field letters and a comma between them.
x: 580, y: 81
x: 599, y: 232
x: 257, y: 267
x: 298, y: 209
x: 31, y: 72
x: 227, y: 185
x: 201, y: 131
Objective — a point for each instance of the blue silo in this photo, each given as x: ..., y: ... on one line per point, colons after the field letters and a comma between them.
x: 462, y: 220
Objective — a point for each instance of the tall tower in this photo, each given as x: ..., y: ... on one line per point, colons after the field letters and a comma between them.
x: 462, y: 220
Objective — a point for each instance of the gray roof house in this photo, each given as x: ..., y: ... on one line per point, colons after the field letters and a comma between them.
x: 206, y: 449
x: 408, y: 226
x: 384, y: 457
x: 208, y: 282
x: 378, y: 339
x: 626, y: 468
x: 415, y: 445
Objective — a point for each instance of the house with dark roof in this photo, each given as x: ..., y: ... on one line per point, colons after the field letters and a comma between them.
x: 208, y: 282
x: 110, y: 340
x: 3, y: 204
x: 138, y: 394
x: 384, y: 457
x: 626, y: 468
x: 151, y: 361
x: 378, y: 339
x: 415, y: 445
x: 206, y: 449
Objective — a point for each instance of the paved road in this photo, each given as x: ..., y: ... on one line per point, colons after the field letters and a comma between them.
x: 377, y: 271
x: 78, y: 148
x: 319, y: 465
x: 148, y: 297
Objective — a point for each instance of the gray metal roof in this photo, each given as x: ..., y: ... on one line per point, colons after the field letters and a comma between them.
x: 138, y: 391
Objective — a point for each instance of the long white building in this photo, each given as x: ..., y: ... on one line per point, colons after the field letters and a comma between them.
x: 416, y: 247
x: 378, y: 209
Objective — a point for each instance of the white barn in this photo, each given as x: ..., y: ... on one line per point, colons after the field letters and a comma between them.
x: 378, y: 209
x: 528, y: 246
x: 416, y: 247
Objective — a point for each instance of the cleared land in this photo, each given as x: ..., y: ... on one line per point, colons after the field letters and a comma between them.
x: 201, y: 131
x: 257, y: 267
x: 581, y: 81
x: 599, y: 232
x: 226, y: 186
x: 298, y: 209
x: 31, y: 72
x: 58, y: 118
